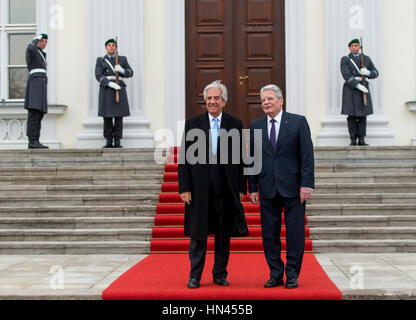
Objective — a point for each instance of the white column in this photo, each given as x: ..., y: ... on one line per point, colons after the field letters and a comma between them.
x: 175, y: 67
x: 295, y: 56
x: 346, y: 20
x: 108, y: 19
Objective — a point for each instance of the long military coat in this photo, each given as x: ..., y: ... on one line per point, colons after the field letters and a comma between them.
x: 352, y: 98
x: 36, y: 97
x: 108, y: 107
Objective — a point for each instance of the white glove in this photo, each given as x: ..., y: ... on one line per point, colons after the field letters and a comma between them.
x: 362, y: 88
x: 114, y: 86
x: 120, y: 69
x: 365, y: 72
x: 113, y: 78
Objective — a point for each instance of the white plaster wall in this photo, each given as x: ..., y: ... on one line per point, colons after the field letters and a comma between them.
x: 315, y: 65
x: 399, y: 70
x: 72, y: 71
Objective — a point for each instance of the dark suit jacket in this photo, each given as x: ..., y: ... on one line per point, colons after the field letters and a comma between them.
x: 195, y: 178
x: 292, y: 166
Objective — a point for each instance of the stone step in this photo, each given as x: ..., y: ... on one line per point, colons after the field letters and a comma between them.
x: 353, y: 188
x: 316, y: 210
x: 361, y: 221
x: 364, y: 233
x: 150, y: 179
x: 363, y: 159
x: 130, y: 189
x: 75, y: 162
x: 50, y: 211
x: 77, y: 223
x: 78, y: 200
x: 91, y: 171
x: 392, y: 167
x: 365, y: 177
x: 364, y: 246
x: 67, y: 235
x: 398, y: 151
x: 364, y: 198
x: 74, y: 247
x: 76, y: 153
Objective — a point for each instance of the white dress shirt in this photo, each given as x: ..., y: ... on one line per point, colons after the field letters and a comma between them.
x: 278, y: 119
x: 212, y: 122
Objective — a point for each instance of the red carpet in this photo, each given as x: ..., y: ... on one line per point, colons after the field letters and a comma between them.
x: 164, y: 274
x: 164, y: 277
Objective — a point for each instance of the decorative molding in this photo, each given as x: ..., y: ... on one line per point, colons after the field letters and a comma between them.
x: 13, y: 121
x: 125, y: 20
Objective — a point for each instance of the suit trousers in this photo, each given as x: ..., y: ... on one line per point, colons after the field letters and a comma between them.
x: 357, y: 127
x: 198, y: 248
x: 34, y: 124
x: 271, y: 221
x: 113, y: 128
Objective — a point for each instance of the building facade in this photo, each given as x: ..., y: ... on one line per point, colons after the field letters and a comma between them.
x: 298, y: 44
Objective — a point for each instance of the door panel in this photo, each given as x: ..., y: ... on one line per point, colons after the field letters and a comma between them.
x: 240, y: 42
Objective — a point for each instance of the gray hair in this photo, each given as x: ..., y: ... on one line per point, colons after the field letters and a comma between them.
x: 276, y: 89
x: 217, y: 85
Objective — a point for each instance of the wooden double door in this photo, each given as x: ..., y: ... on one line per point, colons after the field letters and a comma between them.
x: 242, y: 43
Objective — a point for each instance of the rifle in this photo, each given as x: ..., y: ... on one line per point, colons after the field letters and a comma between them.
x: 117, y: 74
x: 364, y: 80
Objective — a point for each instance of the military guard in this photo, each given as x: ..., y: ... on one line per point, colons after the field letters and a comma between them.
x: 356, y: 69
x: 36, y: 98
x: 113, y: 102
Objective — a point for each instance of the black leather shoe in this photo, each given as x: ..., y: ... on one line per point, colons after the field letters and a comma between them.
x: 292, y: 284
x: 274, y: 282
x: 193, y: 284
x: 222, y: 282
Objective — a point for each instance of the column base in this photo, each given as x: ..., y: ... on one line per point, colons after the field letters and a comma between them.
x: 136, y: 134
x: 335, y: 132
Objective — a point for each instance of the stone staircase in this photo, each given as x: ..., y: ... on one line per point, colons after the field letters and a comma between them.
x: 104, y: 201
x: 365, y: 200
x: 78, y: 201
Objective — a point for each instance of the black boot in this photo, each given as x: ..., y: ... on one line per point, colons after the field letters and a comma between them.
x: 109, y: 144
x: 35, y: 144
x: 361, y: 142
x: 117, y: 144
x: 353, y: 141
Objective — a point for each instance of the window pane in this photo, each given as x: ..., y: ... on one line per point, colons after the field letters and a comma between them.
x: 22, y: 11
x: 17, y: 82
x: 17, y: 48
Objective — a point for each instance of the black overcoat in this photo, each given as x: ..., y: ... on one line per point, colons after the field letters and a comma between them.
x: 36, y: 97
x: 195, y: 179
x: 107, y: 105
x: 352, y: 98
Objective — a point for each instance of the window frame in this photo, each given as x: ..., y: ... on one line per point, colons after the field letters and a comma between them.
x: 5, y: 30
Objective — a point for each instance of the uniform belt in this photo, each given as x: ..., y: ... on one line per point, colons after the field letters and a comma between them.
x: 37, y: 71
x: 360, y: 79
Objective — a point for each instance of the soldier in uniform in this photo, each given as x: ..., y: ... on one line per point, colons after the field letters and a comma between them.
x: 112, y: 111
x: 354, y: 90
x: 36, y: 98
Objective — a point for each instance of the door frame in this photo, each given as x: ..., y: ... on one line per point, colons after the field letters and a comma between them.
x: 175, y: 106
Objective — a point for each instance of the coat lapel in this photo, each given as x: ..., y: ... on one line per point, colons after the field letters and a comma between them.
x: 283, y: 131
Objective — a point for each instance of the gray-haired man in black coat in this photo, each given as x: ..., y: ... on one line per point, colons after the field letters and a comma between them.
x: 112, y: 112
x: 36, y: 98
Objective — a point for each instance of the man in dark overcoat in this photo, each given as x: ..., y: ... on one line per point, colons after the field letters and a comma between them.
x: 112, y: 111
x: 211, y: 189
x: 36, y: 98
x: 354, y: 90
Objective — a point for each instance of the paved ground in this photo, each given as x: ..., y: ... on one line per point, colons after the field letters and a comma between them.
x: 359, y: 276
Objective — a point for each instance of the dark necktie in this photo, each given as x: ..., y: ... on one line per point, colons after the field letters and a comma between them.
x: 273, y: 138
